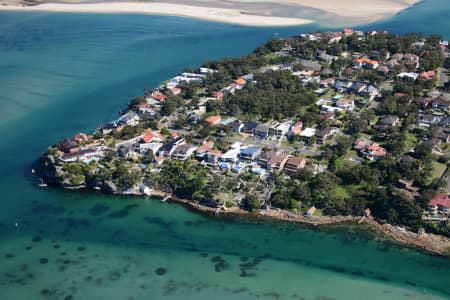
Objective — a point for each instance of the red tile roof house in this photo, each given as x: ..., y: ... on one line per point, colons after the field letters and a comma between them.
x: 157, y: 95
x: 348, y: 31
x: 213, y: 120
x: 240, y: 81
x: 430, y: 75
x: 151, y: 136
x: 365, y: 62
x: 374, y: 151
x: 219, y: 95
x: 175, y: 91
x: 440, y: 203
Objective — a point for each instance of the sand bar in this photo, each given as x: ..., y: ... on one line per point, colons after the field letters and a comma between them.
x: 206, y: 13
x: 347, y: 8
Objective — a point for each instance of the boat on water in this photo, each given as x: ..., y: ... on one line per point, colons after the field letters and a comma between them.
x: 42, y: 183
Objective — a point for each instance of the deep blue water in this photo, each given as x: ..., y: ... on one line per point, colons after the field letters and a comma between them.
x: 65, y: 73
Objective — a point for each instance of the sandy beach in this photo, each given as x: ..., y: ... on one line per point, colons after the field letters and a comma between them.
x: 369, y: 9
x: 206, y: 13
x: 242, y: 12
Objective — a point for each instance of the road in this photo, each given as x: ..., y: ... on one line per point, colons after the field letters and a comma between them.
x: 269, y: 143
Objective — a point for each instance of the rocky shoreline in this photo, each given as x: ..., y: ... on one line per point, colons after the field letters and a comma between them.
x: 427, y: 242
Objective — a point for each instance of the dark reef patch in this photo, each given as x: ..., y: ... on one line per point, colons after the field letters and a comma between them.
x: 36, y: 239
x: 160, y: 271
x: 43, y: 260
x: 122, y: 213
x: 98, y: 210
x: 47, y: 209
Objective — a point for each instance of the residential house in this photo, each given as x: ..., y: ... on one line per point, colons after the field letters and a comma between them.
x: 384, y: 70
x: 326, y: 57
x: 348, y: 31
x: 427, y: 120
x: 307, y: 134
x: 249, y: 153
x: 84, y: 156
x: 262, y: 131
x: 397, y: 56
x: 130, y: 118
x: 370, y: 91
x: 175, y: 91
x: 279, y: 129
x: 212, y: 157
x: 445, y: 122
x: 294, y: 164
x: 213, y: 120
x: 277, y: 162
x: 373, y: 151
x: 148, y: 109
x: 440, y: 203
x: 295, y: 129
x: 362, y: 143
x: 324, y: 134
x: 183, y: 152
x: 265, y: 157
x: 158, y: 96
x: 146, y: 148
x: 424, y: 103
x: 409, y: 75
x: 342, y: 86
x: 68, y: 146
x: 442, y: 133
x: 167, y: 149
x: 391, y: 63
x: 151, y: 136
x: 80, y: 138
x: 232, y: 155
x: 217, y: 94
x: 310, y: 212
x: 249, y: 127
x: 366, y: 63
x: 236, y: 126
x: 390, y: 120
x: 430, y: 75
x: 127, y: 151
x: 328, y: 82
x: 207, y: 70
x: 203, y: 149
x: 440, y: 104
x: 357, y: 88
x: 345, y: 104
x: 240, y: 82
x: 411, y: 59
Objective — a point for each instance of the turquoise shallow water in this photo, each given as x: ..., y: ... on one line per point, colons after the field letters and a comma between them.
x: 65, y: 73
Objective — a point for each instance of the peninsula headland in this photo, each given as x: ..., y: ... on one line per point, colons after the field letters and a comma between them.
x: 318, y: 128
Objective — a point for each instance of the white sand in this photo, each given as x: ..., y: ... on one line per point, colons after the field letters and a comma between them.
x: 370, y: 9
x: 206, y: 13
